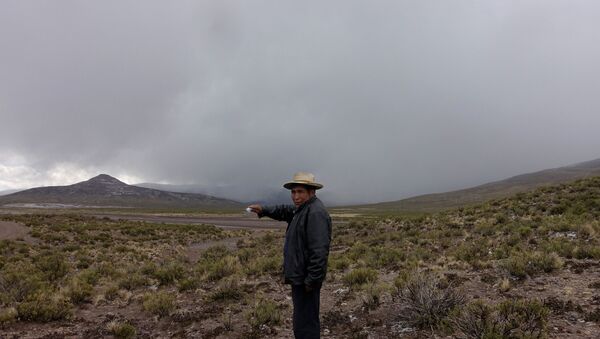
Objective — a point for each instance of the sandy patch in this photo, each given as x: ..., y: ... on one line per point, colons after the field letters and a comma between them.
x: 14, y: 231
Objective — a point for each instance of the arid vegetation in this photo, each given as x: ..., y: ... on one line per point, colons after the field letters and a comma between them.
x: 520, y: 267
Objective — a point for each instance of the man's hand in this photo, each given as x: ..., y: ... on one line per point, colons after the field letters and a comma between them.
x: 308, y: 288
x: 256, y: 209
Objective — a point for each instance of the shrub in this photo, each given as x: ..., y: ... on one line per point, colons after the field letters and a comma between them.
x: 546, y: 262
x: 44, y: 306
x: 520, y: 265
x: 360, y: 276
x: 401, y: 279
x: 133, y: 281
x: 338, y: 262
x: 187, y: 284
x: 52, y: 265
x: 587, y: 252
x: 246, y: 254
x: 472, y: 251
x: 84, y: 262
x: 111, y: 292
x: 358, y: 251
x: 214, y: 253
x: 385, y: 257
x: 121, y: 329
x: 19, y: 282
x: 107, y: 269
x: 159, y: 303
x: 8, y: 315
x: 371, y: 295
x: 228, y: 289
x: 425, y: 303
x: 563, y: 247
x: 222, y: 268
x: 265, y: 312
x: 504, y: 285
x: 509, y: 319
x: 79, y: 291
x: 169, y: 273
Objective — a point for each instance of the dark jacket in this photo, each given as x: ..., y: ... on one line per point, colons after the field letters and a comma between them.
x: 307, y: 240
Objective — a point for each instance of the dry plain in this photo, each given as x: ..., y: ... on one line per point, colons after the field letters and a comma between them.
x: 521, y: 267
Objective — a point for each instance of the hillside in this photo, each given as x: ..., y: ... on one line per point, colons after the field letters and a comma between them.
x: 526, y: 266
x: 104, y: 190
x: 493, y: 190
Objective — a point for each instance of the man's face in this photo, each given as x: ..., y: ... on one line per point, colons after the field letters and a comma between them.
x: 300, y: 194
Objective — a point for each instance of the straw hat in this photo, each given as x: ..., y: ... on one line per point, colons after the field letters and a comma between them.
x: 303, y: 178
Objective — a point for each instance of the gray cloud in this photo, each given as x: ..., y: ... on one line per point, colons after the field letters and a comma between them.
x: 381, y: 100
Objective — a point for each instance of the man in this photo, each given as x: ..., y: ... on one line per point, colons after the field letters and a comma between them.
x: 305, y: 250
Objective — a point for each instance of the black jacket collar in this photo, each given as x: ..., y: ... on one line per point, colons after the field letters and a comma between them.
x: 307, y: 202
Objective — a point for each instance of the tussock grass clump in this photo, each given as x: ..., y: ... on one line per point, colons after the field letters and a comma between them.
x: 121, y: 330
x: 79, y: 291
x: 225, y: 267
x: 111, y: 292
x: 187, y: 284
x: 509, y: 319
x: 134, y: 280
x: 425, y: 302
x: 159, y: 303
x: 264, y: 312
x: 265, y: 265
x: 169, y: 273
x: 360, y: 276
x: 228, y: 289
x: 371, y: 295
x: 338, y: 262
x: 375, y: 255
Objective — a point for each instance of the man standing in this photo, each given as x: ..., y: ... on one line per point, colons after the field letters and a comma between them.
x: 305, y: 250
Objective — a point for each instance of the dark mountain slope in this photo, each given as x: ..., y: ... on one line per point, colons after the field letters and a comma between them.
x: 104, y: 190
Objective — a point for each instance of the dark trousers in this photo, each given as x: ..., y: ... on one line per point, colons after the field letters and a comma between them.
x: 306, y: 312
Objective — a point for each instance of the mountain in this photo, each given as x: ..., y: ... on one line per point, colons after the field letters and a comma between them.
x: 104, y: 190
x: 493, y: 190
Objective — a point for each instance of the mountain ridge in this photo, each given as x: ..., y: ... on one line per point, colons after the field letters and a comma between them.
x: 492, y: 190
x: 105, y: 190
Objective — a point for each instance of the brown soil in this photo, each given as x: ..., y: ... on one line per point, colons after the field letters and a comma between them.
x: 13, y: 231
x: 572, y: 294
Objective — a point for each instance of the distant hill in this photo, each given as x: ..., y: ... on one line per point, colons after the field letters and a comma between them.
x: 493, y: 190
x: 104, y: 190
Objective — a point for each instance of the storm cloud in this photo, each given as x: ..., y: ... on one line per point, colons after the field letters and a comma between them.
x: 380, y: 99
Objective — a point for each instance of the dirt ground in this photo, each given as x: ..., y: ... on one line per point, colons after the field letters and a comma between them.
x: 572, y: 294
x: 14, y: 231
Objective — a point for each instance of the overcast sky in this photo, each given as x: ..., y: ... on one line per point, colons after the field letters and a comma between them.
x: 380, y: 99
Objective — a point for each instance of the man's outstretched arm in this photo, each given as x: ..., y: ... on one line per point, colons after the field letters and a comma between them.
x: 277, y: 212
